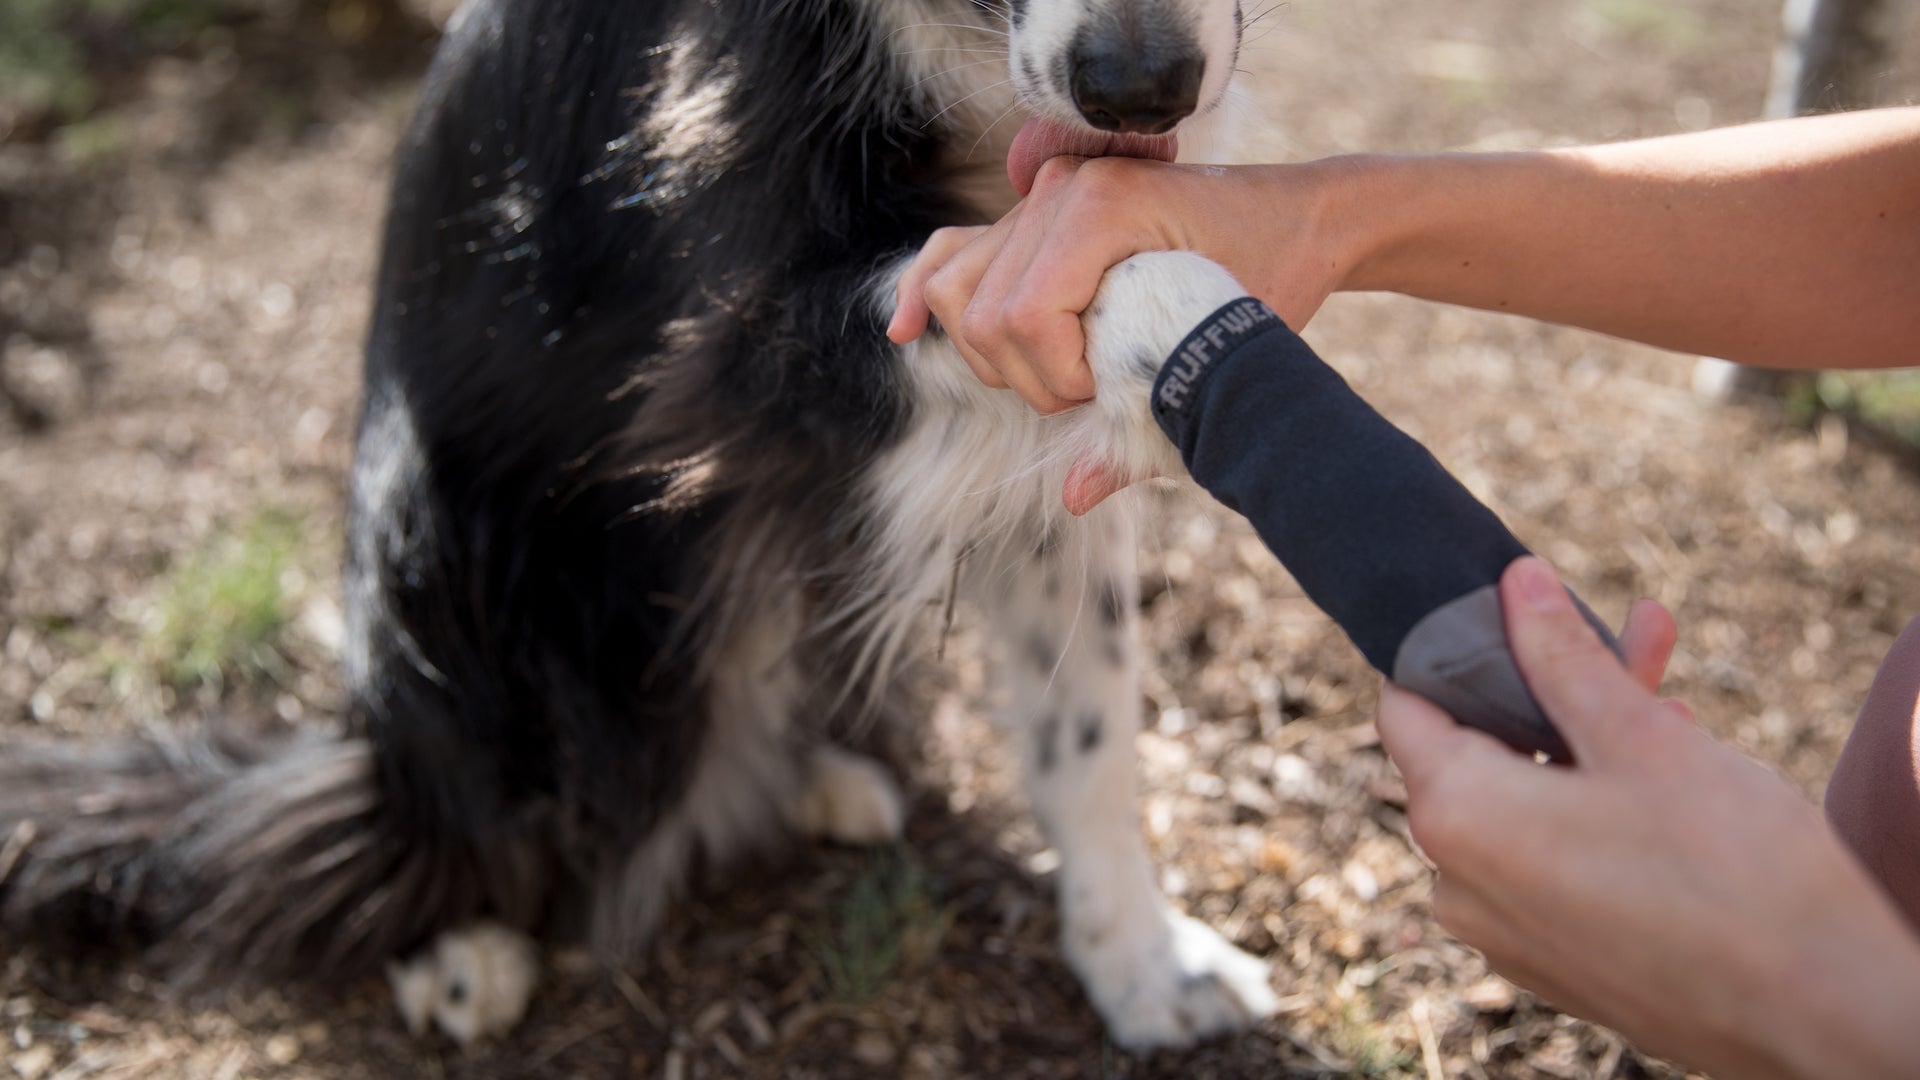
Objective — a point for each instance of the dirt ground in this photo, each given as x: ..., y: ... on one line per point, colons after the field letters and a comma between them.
x: 181, y: 322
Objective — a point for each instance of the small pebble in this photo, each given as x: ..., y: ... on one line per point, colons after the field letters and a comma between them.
x: 32, y: 1064
x: 873, y: 1049
x: 283, y: 1049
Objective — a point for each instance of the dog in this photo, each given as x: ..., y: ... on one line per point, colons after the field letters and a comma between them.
x: 646, y: 513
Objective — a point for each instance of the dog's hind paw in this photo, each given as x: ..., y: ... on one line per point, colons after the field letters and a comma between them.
x: 473, y: 983
x: 1185, y: 984
x: 850, y: 799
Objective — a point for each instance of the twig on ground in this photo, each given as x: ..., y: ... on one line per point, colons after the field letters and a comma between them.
x: 1429, y: 1045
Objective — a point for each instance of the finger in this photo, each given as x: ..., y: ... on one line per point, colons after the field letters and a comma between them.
x: 1426, y: 743
x: 1011, y: 329
x: 1050, y: 342
x: 951, y: 291
x: 1088, y: 484
x: 1109, y: 214
x: 910, y: 310
x: 981, y: 369
x: 1646, y: 643
x: 1579, y: 683
x: 983, y: 335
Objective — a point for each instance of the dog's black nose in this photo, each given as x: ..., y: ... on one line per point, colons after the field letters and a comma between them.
x: 1142, y: 91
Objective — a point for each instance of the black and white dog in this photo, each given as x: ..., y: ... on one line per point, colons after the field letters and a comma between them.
x: 646, y: 508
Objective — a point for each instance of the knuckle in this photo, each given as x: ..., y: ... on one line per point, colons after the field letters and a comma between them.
x: 1102, y: 174
x: 1055, y: 172
x: 948, y: 238
x: 1107, y: 182
x: 1025, y: 316
x: 1073, y: 381
x: 981, y: 327
x: 983, y: 371
x: 946, y: 294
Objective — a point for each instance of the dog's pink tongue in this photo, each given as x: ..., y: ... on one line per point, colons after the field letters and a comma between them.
x: 1042, y: 139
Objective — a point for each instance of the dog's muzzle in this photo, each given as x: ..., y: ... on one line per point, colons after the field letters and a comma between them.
x: 1135, y: 82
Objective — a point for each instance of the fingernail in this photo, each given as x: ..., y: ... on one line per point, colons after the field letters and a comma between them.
x: 1539, y: 585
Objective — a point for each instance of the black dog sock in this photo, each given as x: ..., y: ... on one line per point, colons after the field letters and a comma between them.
x: 1376, y: 531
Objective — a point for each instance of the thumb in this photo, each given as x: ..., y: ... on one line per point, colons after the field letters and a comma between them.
x: 1424, y: 742
x: 1090, y: 480
x: 1578, y: 681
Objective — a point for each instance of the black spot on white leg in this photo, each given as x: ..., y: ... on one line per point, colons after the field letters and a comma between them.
x: 456, y: 992
x: 1110, y: 604
x: 1041, y: 653
x: 1092, y: 730
x: 1046, y: 736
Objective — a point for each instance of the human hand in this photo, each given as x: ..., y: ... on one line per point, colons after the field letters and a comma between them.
x: 1664, y: 884
x: 1010, y: 295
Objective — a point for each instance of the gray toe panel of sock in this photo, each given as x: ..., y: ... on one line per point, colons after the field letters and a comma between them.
x: 1457, y: 657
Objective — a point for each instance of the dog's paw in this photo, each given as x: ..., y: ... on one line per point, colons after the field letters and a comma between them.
x: 473, y: 983
x: 1173, y: 985
x: 1145, y: 307
x: 850, y: 799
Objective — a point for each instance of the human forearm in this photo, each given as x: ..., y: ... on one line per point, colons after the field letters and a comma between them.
x: 1792, y: 244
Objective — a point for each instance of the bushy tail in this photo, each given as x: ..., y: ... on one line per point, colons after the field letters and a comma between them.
x: 224, y: 855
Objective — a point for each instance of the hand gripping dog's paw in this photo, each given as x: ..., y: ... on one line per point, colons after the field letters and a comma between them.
x: 1170, y: 981
x: 1145, y: 307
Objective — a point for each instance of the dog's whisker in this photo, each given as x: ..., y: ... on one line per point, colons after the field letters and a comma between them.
x: 917, y: 83
x: 965, y: 99
x: 948, y: 49
x: 988, y: 130
x: 1260, y: 16
x: 950, y: 26
x: 1000, y: 11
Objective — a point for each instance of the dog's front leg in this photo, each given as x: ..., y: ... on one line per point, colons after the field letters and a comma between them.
x: 975, y: 466
x: 1066, y: 619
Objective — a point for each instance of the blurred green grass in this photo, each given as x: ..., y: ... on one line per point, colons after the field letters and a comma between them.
x: 886, y: 922
x: 1669, y: 25
x: 1886, y: 400
x: 49, y: 49
x: 219, y: 614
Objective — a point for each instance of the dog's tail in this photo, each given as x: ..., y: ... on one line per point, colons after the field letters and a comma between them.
x: 221, y: 854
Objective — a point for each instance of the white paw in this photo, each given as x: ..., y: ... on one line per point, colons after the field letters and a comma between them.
x: 1145, y: 308
x: 1171, y: 984
x: 850, y: 799
x: 473, y: 983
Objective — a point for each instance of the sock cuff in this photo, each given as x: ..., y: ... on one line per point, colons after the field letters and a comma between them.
x: 1178, y: 386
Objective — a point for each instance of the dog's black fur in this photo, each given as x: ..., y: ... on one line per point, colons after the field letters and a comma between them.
x: 613, y: 396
